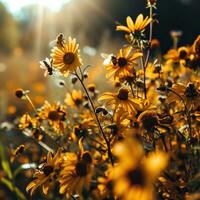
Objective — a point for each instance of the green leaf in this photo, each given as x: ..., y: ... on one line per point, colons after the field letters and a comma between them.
x: 4, y: 162
x: 7, y: 183
x: 16, y: 190
x: 19, y: 194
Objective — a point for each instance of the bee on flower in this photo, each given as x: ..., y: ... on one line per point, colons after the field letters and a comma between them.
x: 66, y: 58
x: 46, y: 174
x: 122, y: 64
x: 121, y: 99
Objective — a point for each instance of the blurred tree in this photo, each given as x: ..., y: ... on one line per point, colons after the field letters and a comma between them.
x: 9, y: 34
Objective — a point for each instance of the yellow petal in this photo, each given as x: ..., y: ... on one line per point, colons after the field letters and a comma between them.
x: 130, y: 23
x: 139, y: 21
x: 123, y: 28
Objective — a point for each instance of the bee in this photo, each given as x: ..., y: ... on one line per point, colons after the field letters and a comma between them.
x: 59, y: 41
x: 47, y: 66
x: 16, y: 152
x: 109, y: 58
x: 114, y: 60
x: 45, y: 168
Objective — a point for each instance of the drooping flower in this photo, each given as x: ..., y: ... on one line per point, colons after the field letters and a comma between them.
x: 74, y: 99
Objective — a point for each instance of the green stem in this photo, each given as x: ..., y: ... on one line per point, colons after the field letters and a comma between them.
x: 97, y: 119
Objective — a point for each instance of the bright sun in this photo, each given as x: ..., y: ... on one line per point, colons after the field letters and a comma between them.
x: 54, y: 5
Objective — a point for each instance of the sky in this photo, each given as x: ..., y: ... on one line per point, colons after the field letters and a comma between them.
x: 15, y: 5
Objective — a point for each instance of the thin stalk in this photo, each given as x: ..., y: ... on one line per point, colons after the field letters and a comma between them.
x: 97, y: 119
x: 31, y: 103
x: 131, y: 86
x: 150, y: 35
x: 187, y: 112
x: 164, y: 143
x: 145, y: 63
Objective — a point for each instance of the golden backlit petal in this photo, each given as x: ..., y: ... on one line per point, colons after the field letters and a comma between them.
x: 56, y: 50
x: 138, y: 21
x: 49, y: 158
x: 45, y: 188
x: 126, y: 51
x: 155, y: 163
x: 30, y: 185
x: 106, y: 96
x: 121, y: 186
x: 123, y: 28
x: 146, y: 22
x: 135, y: 56
x: 130, y: 23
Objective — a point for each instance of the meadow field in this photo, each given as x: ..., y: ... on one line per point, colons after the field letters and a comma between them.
x: 99, y: 100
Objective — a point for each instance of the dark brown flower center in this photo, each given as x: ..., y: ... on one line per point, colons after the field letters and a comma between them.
x: 68, y: 58
x: 182, y: 54
x: 81, y: 169
x: 152, y: 1
x: 19, y: 93
x: 122, y: 62
x: 148, y: 120
x: 137, y: 177
x: 78, y: 102
x: 80, y: 132
x: 123, y: 94
x: 48, y: 170
x: 53, y: 115
x: 191, y: 91
x: 86, y: 158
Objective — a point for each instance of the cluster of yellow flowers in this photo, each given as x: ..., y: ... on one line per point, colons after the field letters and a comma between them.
x: 139, y: 142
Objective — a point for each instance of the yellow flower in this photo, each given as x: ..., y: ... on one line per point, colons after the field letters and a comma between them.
x: 122, y: 100
x: 74, y: 99
x: 122, y: 64
x: 66, y: 59
x: 76, y: 173
x: 26, y: 121
x: 190, y: 94
x: 121, y: 126
x: 138, y: 26
x: 55, y: 114
x: 177, y: 55
x: 45, y: 175
x: 135, y: 173
x: 196, y: 46
x: 105, y: 185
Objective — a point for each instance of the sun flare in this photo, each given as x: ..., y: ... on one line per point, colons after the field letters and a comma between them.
x: 15, y: 5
